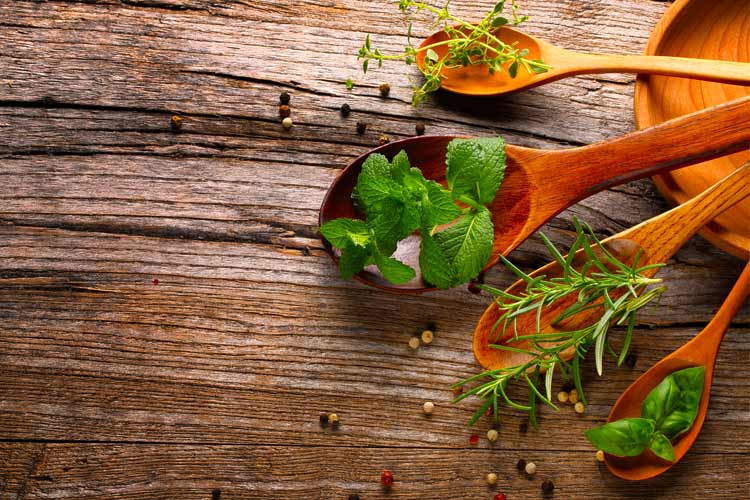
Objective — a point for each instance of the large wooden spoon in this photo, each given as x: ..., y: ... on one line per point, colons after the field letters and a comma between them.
x: 476, y: 80
x: 700, y: 351
x: 539, y: 184
x: 659, y: 238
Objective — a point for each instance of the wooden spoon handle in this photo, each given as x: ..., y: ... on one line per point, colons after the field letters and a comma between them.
x: 673, y: 228
x: 567, y: 176
x: 700, y: 69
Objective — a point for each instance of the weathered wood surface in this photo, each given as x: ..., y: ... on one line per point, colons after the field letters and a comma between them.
x: 114, y: 387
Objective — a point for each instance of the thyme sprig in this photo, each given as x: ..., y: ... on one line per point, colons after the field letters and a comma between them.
x: 603, y: 283
x: 467, y: 44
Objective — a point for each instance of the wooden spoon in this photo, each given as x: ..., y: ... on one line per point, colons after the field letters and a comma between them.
x: 659, y: 238
x: 539, y: 184
x: 700, y: 351
x: 476, y: 80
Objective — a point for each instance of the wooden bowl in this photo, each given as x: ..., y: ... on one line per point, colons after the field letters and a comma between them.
x: 709, y: 29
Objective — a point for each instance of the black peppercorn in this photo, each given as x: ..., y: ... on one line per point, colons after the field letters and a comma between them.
x: 284, y: 111
x: 385, y: 89
x: 523, y: 427
x: 284, y: 98
x: 353, y: 496
x: 630, y: 360
x: 548, y: 487
x: 216, y: 494
x: 521, y: 465
x: 384, y: 139
x: 175, y: 123
x: 323, y: 418
x: 568, y: 386
x: 361, y: 127
x: 345, y: 109
x: 420, y: 128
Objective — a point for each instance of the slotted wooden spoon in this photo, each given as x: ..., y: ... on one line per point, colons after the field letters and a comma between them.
x: 700, y: 351
x: 539, y: 184
x: 659, y: 238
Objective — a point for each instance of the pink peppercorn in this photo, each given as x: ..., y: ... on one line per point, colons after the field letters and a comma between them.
x: 387, y: 478
x: 473, y: 439
x: 500, y: 496
x: 156, y: 281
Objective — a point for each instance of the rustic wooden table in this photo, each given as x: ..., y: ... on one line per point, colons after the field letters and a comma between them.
x: 170, y: 326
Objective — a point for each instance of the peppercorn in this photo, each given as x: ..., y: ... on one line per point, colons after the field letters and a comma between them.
x: 216, y: 494
x: 414, y: 342
x: 175, y: 123
x: 428, y: 407
x: 630, y: 360
x: 361, y: 127
x: 600, y: 455
x: 492, y: 435
x: 579, y: 407
x: 387, y: 478
x: 530, y: 468
x: 562, y: 396
x: 384, y: 139
x: 573, y: 396
x: 333, y: 419
x: 523, y: 427
x: 353, y: 496
x: 287, y: 123
x: 473, y: 439
x: 284, y: 98
x: 548, y: 487
x: 385, y: 89
x: 323, y: 418
x: 345, y: 109
x: 521, y: 465
x: 284, y: 111
x: 427, y: 336
x: 419, y: 128
x: 491, y: 478
x: 499, y: 496
x: 568, y: 386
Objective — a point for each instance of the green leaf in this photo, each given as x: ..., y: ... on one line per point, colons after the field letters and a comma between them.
x: 475, y: 167
x: 661, y: 446
x: 400, y: 166
x: 499, y: 21
x: 367, y: 41
x: 365, y: 65
x: 435, y: 267
x: 432, y: 55
x: 394, y: 270
x: 342, y: 232
x: 349, y: 84
x: 467, y: 245
x: 628, y: 437
x: 438, y: 206
x: 673, y: 404
x: 352, y: 260
x: 513, y: 69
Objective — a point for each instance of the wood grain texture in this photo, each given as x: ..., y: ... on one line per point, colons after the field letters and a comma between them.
x: 114, y: 387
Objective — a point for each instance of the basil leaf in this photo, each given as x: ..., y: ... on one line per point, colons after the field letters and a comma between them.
x: 627, y: 437
x: 475, y: 168
x: 673, y: 404
x: 661, y: 446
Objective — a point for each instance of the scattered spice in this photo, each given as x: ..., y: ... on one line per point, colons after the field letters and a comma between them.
x: 521, y: 465
x: 492, y: 435
x: 216, y: 494
x: 287, y: 123
x: 579, y: 407
x: 156, y: 281
x: 387, y: 478
x: 333, y: 419
x: 573, y: 396
x: 600, y: 455
x: 563, y: 396
x: 427, y: 336
x: 284, y: 111
x: 284, y: 98
x: 428, y: 407
x: 491, y: 479
x: 323, y: 418
x: 473, y: 439
x: 361, y: 127
x: 175, y: 123
x: 384, y: 89
x: 345, y: 109
x: 630, y: 360
x: 523, y: 427
x: 353, y: 496
x: 568, y: 386
x: 456, y: 390
x: 530, y: 468
x: 384, y: 139
x: 548, y: 487
x: 419, y: 128
x: 500, y: 496
x: 414, y: 342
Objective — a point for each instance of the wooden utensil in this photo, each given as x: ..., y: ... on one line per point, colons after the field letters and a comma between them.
x: 659, y: 238
x: 709, y: 29
x: 476, y: 80
x: 700, y: 351
x: 539, y: 184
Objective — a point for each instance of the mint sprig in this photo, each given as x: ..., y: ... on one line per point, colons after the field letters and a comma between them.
x: 397, y: 201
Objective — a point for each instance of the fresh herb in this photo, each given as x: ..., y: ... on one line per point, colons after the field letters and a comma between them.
x: 603, y: 284
x: 467, y: 44
x: 397, y: 200
x: 349, y: 84
x: 668, y: 411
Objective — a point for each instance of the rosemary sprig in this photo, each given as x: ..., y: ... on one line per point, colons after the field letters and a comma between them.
x: 603, y: 285
x: 467, y: 44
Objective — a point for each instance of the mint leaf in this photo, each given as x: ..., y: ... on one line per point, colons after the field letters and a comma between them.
x: 341, y: 232
x: 400, y: 166
x: 437, y: 206
x: 467, y: 245
x: 352, y: 260
x: 435, y: 266
x: 375, y: 185
x: 394, y: 270
x: 475, y: 168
